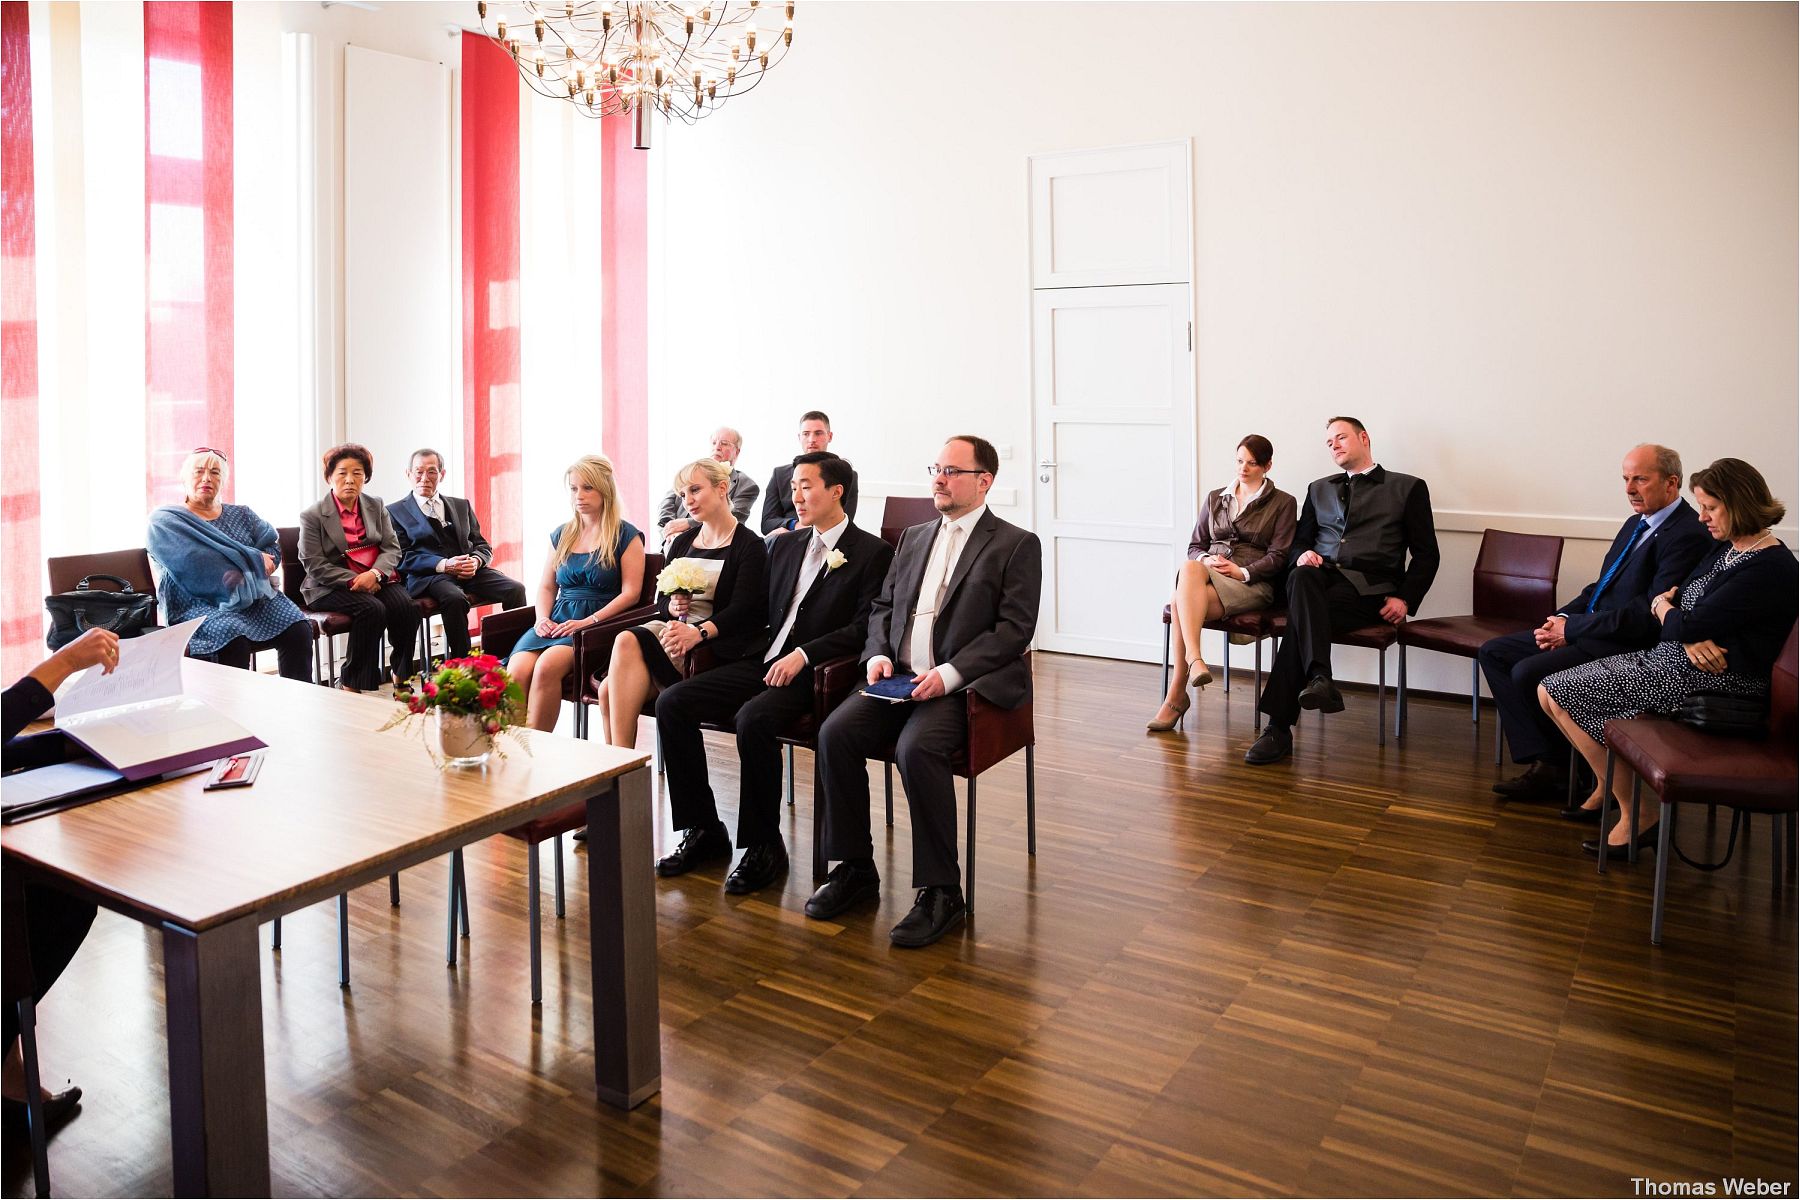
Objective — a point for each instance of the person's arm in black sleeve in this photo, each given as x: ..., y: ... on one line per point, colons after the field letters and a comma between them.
x: 747, y: 610
x: 1422, y: 547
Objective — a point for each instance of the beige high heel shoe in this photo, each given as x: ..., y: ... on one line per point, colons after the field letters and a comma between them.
x: 1155, y: 726
x: 1199, y: 675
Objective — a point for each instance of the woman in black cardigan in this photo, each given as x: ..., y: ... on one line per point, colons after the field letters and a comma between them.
x: 54, y: 922
x: 729, y: 615
x: 1721, y: 631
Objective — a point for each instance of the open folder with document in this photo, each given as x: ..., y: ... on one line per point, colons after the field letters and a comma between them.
x: 137, y: 720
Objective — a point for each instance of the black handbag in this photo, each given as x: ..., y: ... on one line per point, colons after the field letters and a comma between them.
x: 126, y: 612
x: 1725, y: 714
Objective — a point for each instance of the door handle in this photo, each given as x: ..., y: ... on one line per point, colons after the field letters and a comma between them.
x: 1044, y: 467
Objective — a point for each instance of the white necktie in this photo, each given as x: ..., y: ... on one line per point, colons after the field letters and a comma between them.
x: 809, y: 571
x: 931, y: 596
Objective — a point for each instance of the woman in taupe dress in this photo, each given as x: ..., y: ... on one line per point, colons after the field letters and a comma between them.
x: 1235, y: 559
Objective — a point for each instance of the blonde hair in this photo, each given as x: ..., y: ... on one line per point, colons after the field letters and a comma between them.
x: 716, y: 473
x: 204, y: 456
x: 596, y: 471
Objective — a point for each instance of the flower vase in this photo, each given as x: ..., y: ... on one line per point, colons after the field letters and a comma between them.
x: 462, y: 739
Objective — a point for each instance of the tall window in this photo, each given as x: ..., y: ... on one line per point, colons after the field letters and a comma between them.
x: 187, y: 237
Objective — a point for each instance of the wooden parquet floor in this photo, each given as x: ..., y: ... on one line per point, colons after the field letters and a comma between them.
x: 1356, y: 973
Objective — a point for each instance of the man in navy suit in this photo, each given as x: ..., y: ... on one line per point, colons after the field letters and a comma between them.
x: 1654, y: 551
x: 444, y: 556
x: 823, y: 577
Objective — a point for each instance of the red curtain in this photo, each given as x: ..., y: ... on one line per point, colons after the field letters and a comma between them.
x: 490, y: 262
x: 22, y: 573
x: 624, y: 322
x: 187, y: 238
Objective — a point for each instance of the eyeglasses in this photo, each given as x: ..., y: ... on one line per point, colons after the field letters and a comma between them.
x: 952, y: 472
x: 209, y: 450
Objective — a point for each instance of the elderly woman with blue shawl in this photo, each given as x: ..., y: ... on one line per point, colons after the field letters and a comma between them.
x: 215, y: 560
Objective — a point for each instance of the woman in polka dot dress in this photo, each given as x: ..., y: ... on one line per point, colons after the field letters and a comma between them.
x: 1721, y: 631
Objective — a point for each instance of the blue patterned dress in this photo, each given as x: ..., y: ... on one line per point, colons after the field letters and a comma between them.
x: 184, y: 599
x: 583, y: 588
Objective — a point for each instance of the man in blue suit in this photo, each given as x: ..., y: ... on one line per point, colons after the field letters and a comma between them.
x: 444, y: 556
x: 1654, y: 551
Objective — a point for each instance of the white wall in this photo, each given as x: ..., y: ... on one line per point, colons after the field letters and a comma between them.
x: 1514, y: 239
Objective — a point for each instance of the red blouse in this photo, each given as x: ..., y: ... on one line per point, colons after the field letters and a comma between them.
x: 362, y: 554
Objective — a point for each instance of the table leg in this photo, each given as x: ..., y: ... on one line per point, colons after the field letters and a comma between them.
x: 622, y: 929
x: 218, y: 1100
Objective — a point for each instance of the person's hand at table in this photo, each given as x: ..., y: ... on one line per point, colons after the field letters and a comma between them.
x: 95, y: 648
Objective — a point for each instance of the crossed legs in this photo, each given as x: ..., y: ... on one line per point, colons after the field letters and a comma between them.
x: 1595, y: 754
x: 1194, y: 604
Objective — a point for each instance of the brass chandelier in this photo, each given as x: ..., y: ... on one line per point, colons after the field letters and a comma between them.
x: 609, y: 57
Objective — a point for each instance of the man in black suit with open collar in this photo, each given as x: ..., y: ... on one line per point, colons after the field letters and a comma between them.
x: 778, y: 501
x: 443, y: 554
x: 1367, y: 551
x: 958, y: 609
x: 823, y: 577
x: 1655, y: 550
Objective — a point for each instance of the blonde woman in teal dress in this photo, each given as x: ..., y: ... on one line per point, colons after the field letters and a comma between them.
x: 594, y: 573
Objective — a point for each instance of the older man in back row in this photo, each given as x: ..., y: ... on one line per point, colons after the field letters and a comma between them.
x: 727, y: 444
x: 1654, y: 551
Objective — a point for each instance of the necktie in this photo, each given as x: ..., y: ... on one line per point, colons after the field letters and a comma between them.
x: 809, y: 571
x: 1636, y: 536
x: 931, y: 595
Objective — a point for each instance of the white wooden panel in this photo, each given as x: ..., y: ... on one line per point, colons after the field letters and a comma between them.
x: 1113, y: 356
x: 1106, y: 619
x: 1111, y: 217
x: 1113, y: 474
x: 400, y: 363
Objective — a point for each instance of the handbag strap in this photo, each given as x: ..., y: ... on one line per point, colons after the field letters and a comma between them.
x: 87, y: 580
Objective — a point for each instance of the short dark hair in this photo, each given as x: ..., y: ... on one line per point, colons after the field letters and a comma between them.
x: 813, y: 414
x: 1350, y: 421
x: 833, y: 471
x: 343, y: 450
x: 986, y: 457
x: 1262, y: 450
x: 1741, y: 488
x: 425, y: 452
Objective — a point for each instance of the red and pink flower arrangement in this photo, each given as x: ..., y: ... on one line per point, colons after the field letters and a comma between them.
x: 476, y: 694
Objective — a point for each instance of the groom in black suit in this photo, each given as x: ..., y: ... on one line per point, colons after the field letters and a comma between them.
x: 957, y: 610
x: 1655, y: 549
x: 823, y: 577
x: 443, y: 554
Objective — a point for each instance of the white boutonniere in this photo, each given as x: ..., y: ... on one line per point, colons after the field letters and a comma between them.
x: 834, y: 560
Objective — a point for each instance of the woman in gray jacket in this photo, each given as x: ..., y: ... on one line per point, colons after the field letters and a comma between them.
x: 1235, y: 558
x: 351, y: 556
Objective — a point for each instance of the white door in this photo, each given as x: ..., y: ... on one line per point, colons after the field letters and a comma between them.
x: 1113, y: 380
x: 1112, y: 392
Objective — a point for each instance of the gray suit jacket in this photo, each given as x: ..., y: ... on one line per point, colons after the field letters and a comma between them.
x: 325, y: 554
x: 989, y: 613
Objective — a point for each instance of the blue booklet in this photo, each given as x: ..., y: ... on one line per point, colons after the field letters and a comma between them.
x: 896, y: 689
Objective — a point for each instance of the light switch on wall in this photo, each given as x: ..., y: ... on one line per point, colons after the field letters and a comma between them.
x: 1005, y: 452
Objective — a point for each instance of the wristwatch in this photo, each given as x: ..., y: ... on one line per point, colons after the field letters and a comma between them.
x: 703, y: 632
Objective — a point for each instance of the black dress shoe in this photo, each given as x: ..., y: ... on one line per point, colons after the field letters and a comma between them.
x: 760, y: 866
x: 57, y: 1109
x: 936, y: 912
x: 1276, y: 743
x: 703, y: 843
x: 1589, y: 816
x: 1321, y: 694
x: 1646, y: 840
x: 1541, y: 781
x: 848, y: 884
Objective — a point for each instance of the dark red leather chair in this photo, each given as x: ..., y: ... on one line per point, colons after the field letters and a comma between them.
x: 133, y: 566
x: 1515, y: 589
x: 901, y: 513
x: 1255, y: 625
x: 995, y: 735
x: 1683, y: 765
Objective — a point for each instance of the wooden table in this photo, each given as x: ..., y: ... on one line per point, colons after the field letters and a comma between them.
x: 337, y: 805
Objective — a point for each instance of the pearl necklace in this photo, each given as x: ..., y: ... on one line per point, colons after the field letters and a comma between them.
x: 1733, y: 555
